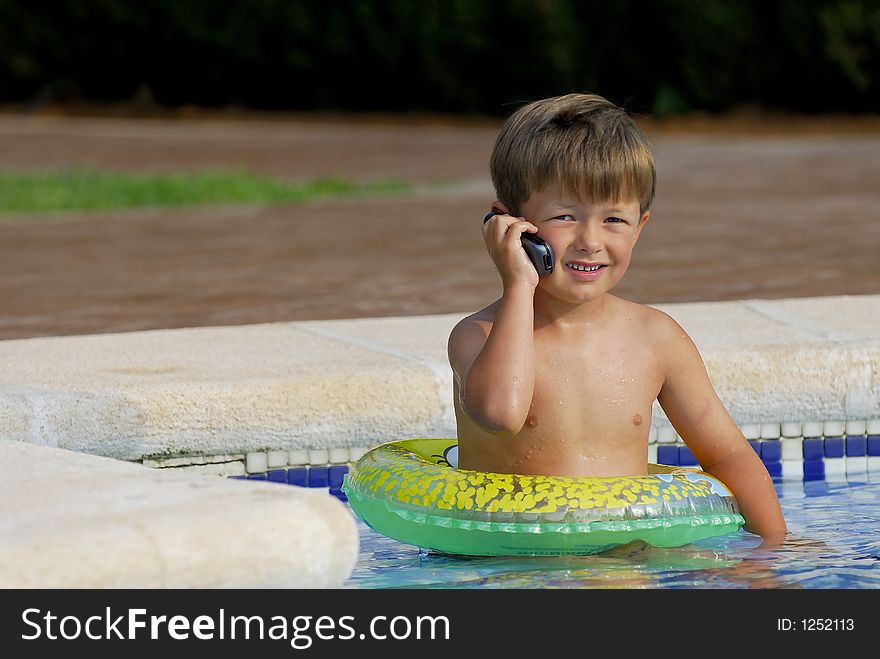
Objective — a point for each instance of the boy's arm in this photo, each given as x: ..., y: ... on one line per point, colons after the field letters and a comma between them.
x: 495, y: 374
x: 693, y: 407
x: 494, y: 364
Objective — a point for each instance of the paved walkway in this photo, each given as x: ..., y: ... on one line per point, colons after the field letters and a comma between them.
x: 737, y: 216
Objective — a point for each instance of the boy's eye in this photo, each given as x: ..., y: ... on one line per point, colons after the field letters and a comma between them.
x: 616, y: 220
x: 564, y: 218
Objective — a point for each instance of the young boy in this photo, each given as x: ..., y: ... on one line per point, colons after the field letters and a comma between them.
x: 558, y: 376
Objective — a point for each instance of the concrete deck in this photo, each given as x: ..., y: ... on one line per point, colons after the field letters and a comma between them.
x: 344, y: 383
x: 79, y: 520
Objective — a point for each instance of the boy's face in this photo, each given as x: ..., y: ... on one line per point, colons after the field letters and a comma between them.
x: 584, y: 234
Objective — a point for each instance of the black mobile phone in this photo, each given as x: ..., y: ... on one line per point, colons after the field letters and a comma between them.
x: 539, y: 252
x: 537, y: 249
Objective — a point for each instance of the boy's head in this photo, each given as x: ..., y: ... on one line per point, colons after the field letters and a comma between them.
x: 584, y: 143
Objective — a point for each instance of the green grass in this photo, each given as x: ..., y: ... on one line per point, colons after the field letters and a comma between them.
x: 25, y: 192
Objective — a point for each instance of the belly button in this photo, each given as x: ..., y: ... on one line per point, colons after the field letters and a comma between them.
x: 637, y: 420
x: 531, y: 421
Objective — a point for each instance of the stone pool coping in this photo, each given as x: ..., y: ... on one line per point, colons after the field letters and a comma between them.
x: 226, y: 391
x: 81, y: 521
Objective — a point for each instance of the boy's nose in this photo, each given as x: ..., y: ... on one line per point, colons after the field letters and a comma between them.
x: 587, y: 240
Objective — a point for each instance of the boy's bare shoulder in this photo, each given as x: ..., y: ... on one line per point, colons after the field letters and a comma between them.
x: 468, y: 337
x: 652, y: 323
x: 482, y: 319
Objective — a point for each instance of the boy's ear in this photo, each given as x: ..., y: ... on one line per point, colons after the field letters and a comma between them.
x: 642, y: 222
x: 499, y: 207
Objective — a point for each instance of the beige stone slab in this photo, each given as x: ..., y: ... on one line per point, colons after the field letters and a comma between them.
x: 799, y: 359
x: 719, y: 327
x: 417, y: 337
x: 796, y: 321
x: 844, y: 318
x: 348, y: 383
x: 78, y: 521
x: 194, y: 391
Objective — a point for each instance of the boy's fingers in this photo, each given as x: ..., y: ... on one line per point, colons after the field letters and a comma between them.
x: 506, y: 226
x: 497, y: 226
x: 520, y: 227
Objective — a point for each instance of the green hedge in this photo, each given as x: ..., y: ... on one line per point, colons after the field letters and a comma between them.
x: 473, y: 56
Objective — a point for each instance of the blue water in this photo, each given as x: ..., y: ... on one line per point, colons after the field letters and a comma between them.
x: 834, y: 542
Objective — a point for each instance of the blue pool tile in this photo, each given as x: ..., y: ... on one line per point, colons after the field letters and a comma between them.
x: 335, y: 476
x: 339, y: 494
x: 774, y: 469
x: 813, y: 449
x: 667, y: 455
x: 686, y: 457
x: 298, y: 476
x: 277, y: 476
x: 756, y: 444
x: 318, y: 476
x: 873, y: 444
x: 834, y: 447
x: 257, y: 477
x: 238, y: 478
x: 771, y: 451
x: 856, y: 447
x: 814, y: 470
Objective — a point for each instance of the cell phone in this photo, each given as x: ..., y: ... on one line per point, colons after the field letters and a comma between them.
x: 538, y: 250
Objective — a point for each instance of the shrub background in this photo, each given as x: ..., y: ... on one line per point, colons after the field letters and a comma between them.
x: 661, y: 57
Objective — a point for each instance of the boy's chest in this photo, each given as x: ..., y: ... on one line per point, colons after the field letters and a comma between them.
x: 609, y: 382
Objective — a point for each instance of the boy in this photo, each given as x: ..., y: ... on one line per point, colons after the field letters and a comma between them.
x: 558, y: 376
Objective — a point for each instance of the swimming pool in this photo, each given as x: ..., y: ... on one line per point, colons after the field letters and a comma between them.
x: 833, y: 544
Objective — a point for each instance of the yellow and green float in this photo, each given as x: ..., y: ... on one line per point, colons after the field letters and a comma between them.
x: 410, y: 491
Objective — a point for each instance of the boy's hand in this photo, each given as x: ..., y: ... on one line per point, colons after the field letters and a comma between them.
x: 501, y: 234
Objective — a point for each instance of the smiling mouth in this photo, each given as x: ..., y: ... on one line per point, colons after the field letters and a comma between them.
x: 584, y: 268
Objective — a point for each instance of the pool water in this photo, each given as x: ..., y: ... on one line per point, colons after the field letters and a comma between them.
x: 833, y: 543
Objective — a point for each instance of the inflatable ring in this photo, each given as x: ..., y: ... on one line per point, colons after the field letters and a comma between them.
x: 410, y: 491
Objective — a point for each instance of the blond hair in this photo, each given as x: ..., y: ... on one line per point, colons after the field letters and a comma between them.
x: 583, y: 142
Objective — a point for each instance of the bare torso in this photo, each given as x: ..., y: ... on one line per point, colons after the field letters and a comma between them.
x: 591, y: 410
